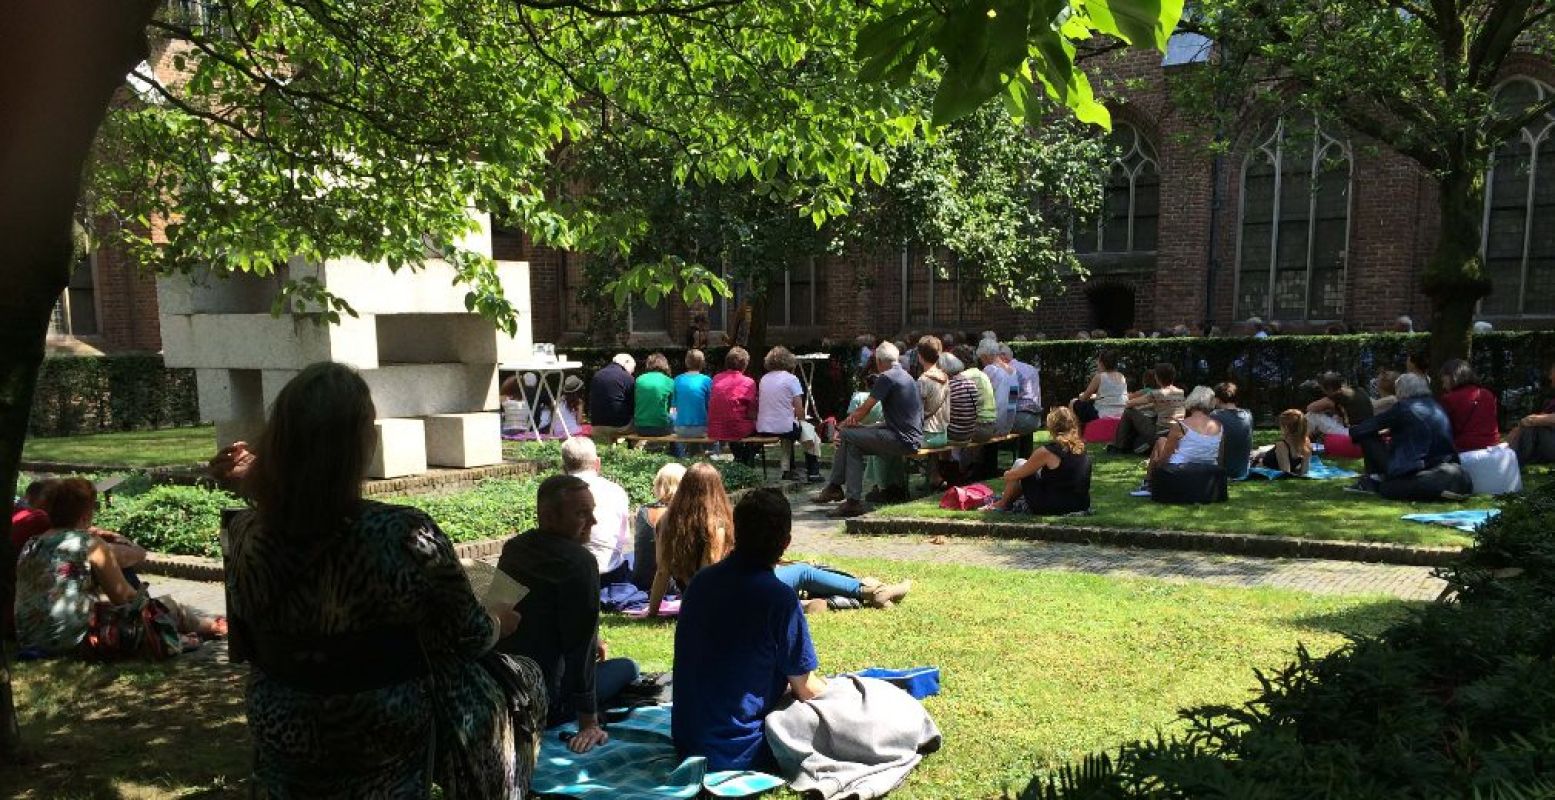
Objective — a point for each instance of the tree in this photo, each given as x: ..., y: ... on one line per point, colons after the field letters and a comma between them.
x: 327, y: 128
x: 1417, y: 77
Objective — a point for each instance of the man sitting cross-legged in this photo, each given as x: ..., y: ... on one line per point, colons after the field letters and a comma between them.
x: 559, y: 615
x: 900, y: 433
x: 741, y: 644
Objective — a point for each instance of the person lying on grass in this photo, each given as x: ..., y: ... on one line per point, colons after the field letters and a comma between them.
x: 72, y: 597
x: 1056, y: 479
x: 1292, y: 454
x: 695, y: 532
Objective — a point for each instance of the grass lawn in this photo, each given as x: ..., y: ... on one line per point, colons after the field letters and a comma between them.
x: 1286, y: 507
x: 171, y: 447
x: 1038, y: 669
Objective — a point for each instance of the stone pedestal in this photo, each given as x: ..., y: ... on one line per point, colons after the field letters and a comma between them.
x: 401, y: 449
x: 464, y: 440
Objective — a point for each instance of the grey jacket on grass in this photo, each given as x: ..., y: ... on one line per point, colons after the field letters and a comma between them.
x: 859, y: 739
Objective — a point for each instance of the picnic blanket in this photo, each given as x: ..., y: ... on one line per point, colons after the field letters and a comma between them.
x: 638, y: 763
x: 1467, y: 520
x: 1318, y: 470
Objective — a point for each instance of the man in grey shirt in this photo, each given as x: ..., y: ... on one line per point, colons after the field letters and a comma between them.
x: 899, y: 434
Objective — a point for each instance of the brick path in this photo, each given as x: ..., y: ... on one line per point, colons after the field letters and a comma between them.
x: 816, y: 535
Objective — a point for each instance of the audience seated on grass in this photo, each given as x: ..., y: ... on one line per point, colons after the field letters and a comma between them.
x: 558, y: 624
x: 742, y: 645
x: 1236, y: 425
x: 1418, y: 462
x: 1107, y: 393
x: 695, y: 532
x: 611, y: 539
x: 611, y: 399
x: 692, y: 392
x: 1340, y: 407
x: 29, y: 519
x: 1185, y: 465
x: 1292, y: 453
x: 901, y: 432
x: 731, y: 408
x: 1056, y: 478
x: 1533, y: 439
x: 72, y: 597
x: 651, y: 396
x: 566, y: 418
x: 1471, y: 408
x: 1387, y: 388
x: 645, y: 524
x: 372, y: 670
x: 1151, y: 412
x: 780, y: 412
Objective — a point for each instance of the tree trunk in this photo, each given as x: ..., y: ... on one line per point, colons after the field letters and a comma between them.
x: 1455, y: 277
x: 759, y: 322
x: 58, y: 71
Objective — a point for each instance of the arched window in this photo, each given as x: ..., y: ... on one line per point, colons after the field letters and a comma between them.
x: 1519, y: 229
x: 1295, y: 225
x: 1128, y: 217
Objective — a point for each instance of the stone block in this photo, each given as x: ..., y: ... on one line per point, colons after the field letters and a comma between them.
x: 464, y: 440
x: 436, y: 339
x: 420, y: 390
x: 272, y: 381
x: 211, y: 293
x: 228, y: 394
x: 401, y: 449
x: 260, y: 341
x: 237, y: 430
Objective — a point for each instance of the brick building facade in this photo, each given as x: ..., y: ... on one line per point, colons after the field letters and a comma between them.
x: 1296, y: 221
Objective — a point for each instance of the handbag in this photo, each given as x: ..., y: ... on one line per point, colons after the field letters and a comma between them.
x: 144, y: 627
x: 966, y: 498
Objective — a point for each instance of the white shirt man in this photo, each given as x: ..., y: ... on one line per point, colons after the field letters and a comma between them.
x: 610, y: 540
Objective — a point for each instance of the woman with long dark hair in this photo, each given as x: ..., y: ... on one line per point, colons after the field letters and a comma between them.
x: 371, y: 666
x: 697, y: 530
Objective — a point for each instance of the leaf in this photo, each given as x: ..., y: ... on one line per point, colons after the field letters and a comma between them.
x: 1138, y: 22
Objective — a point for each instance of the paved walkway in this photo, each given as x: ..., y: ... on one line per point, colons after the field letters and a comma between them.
x: 816, y: 535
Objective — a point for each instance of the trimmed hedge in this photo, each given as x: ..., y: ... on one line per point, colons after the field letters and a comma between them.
x: 1269, y: 372
x: 1456, y: 700
x: 94, y: 394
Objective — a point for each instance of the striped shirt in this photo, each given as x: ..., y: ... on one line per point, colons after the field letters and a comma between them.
x: 963, y: 408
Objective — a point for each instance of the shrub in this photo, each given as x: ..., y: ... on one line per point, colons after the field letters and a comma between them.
x: 182, y: 520
x: 91, y: 394
x: 1458, y: 700
x: 492, y: 509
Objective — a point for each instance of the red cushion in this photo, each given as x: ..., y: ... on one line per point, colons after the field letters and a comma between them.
x: 1338, y: 445
x: 1101, y: 430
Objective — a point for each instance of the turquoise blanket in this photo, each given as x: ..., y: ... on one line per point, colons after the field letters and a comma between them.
x: 1317, y: 471
x: 1467, y: 521
x: 638, y: 763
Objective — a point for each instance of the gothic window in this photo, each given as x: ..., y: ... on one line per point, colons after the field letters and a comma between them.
x: 1519, y: 227
x: 1295, y: 225
x: 1127, y: 222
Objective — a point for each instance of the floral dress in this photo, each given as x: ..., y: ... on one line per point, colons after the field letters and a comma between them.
x: 60, y: 609
x: 471, y: 720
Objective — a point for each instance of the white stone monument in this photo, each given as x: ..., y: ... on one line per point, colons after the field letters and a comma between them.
x: 431, y: 364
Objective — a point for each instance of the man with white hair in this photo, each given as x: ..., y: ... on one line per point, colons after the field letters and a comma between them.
x: 1419, y: 461
x: 1028, y: 407
x: 610, y: 540
x: 1006, y: 394
x: 612, y: 399
x: 899, y: 433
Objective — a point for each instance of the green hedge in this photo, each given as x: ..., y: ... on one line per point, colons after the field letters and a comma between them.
x: 1457, y: 700
x: 1269, y: 372
x: 93, y: 394
x: 183, y: 520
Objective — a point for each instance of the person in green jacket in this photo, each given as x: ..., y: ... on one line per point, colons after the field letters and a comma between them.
x: 651, y: 402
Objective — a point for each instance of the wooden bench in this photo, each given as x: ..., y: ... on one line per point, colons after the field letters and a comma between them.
x: 760, y: 441
x: 924, y: 453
